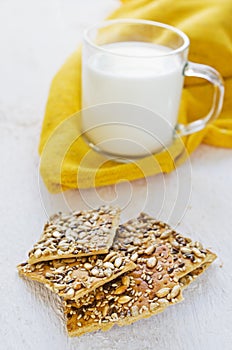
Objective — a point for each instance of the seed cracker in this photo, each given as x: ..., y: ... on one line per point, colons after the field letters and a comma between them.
x: 74, y: 277
x: 143, y: 233
x: 99, y: 303
x: 80, y: 233
x: 166, y: 262
x: 133, y: 296
x: 140, y: 239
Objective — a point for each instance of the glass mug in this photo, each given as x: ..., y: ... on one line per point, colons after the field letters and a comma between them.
x: 132, y: 79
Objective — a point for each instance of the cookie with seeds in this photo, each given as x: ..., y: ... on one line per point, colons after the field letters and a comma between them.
x: 140, y: 239
x: 80, y: 233
x: 138, y: 294
x: 141, y: 235
x: 94, y: 312
x: 74, y: 277
x: 98, y: 291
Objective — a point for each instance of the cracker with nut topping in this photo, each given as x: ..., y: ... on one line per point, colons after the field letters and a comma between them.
x: 141, y: 293
x: 144, y: 272
x: 74, y: 277
x: 98, y: 304
x: 155, y: 283
x: 147, y: 290
x: 143, y: 233
x: 81, y: 233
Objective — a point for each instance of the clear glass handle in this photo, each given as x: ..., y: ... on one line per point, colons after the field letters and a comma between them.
x: 208, y: 73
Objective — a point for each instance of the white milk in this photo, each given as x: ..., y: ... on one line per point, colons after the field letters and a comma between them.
x: 139, y: 79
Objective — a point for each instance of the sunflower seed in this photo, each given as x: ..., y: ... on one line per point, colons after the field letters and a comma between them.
x: 162, y: 292
x: 88, y: 266
x: 59, y: 286
x: 105, y: 310
x: 120, y: 290
x: 175, y: 291
x: 134, y: 256
x: 95, y: 271
x: 165, y: 234
x: 56, y: 234
x: 64, y: 247
x: 175, y: 244
x: 198, y: 253
x: 185, y: 250
x: 124, y: 299
x: 38, y: 253
x: 108, y: 272
x: 136, y: 241
x: 151, y: 262
x: 70, y: 293
x: 109, y: 256
x: 118, y: 262
x: 60, y: 269
x: 108, y: 265
x: 163, y: 302
x: 49, y: 275
x: 149, y: 250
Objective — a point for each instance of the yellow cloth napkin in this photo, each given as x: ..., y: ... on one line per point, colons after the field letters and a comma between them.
x: 66, y: 160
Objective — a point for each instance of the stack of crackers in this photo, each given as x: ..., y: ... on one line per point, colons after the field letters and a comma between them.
x: 106, y: 273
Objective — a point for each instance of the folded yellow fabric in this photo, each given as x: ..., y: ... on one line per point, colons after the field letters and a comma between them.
x: 66, y: 160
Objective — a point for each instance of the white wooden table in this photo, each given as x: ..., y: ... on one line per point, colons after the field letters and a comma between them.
x: 36, y: 37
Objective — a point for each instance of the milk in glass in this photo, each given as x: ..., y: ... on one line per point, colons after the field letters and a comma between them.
x: 143, y: 81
